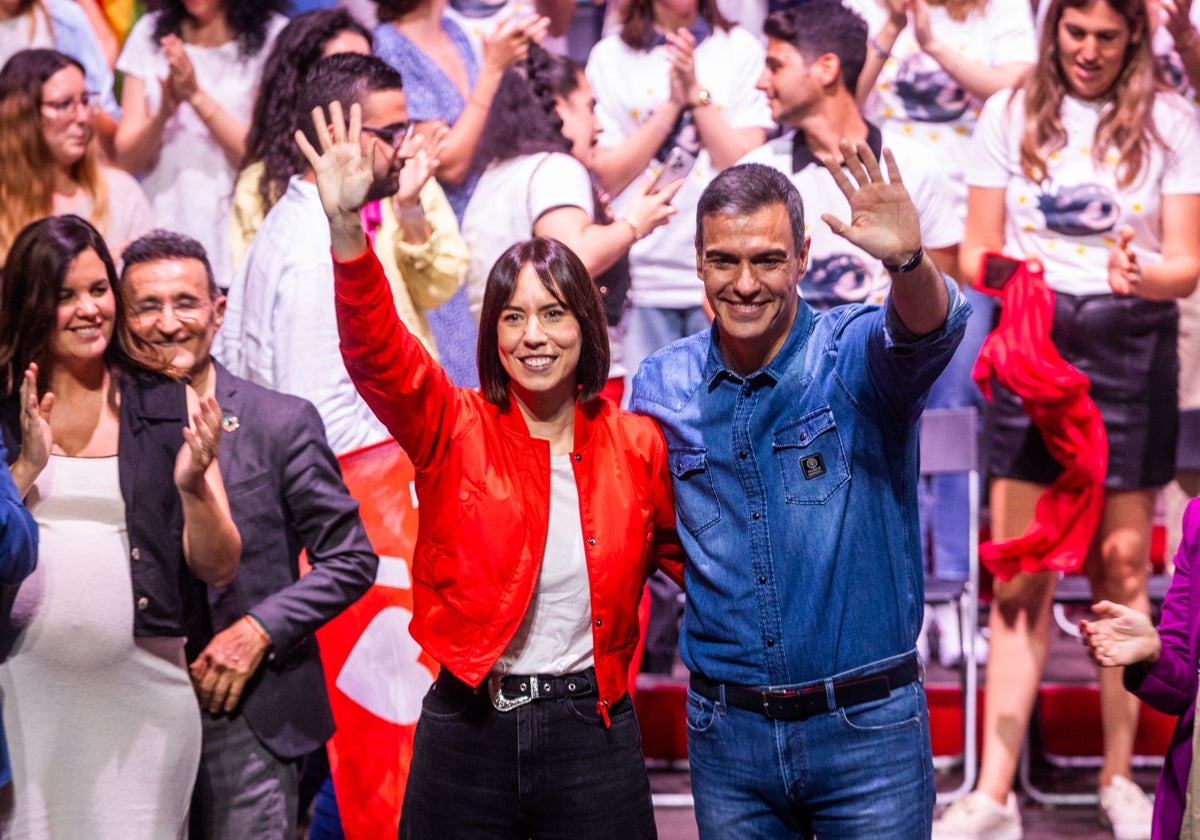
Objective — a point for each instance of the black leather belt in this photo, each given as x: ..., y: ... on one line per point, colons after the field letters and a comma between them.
x: 802, y: 703
x: 508, y: 691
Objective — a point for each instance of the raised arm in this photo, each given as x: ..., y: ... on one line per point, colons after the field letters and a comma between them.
x: 408, y: 391
x: 884, y: 223
x: 211, y: 543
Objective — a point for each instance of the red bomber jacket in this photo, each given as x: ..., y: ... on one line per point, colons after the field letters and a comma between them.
x: 483, y: 486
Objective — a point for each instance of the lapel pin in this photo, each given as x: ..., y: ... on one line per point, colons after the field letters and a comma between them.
x: 230, y: 423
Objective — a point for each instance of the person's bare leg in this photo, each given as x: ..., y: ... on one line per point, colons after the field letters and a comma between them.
x: 1118, y: 566
x: 1019, y: 624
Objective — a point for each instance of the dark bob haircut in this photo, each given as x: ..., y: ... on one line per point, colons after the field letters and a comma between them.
x: 562, y: 275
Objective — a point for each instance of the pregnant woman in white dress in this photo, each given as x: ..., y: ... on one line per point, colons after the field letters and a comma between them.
x: 103, y: 726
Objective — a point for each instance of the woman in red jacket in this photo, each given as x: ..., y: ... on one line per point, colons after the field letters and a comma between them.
x: 543, y: 509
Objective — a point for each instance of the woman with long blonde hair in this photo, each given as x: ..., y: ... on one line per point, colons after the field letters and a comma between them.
x: 51, y: 166
x: 1089, y: 169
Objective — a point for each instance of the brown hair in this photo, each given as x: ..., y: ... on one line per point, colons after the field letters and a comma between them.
x: 33, y: 276
x: 564, y: 276
x: 1126, y: 128
x: 637, y: 24
x: 26, y: 182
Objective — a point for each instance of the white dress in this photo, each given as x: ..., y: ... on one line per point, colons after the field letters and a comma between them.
x: 104, y: 729
x: 190, y: 186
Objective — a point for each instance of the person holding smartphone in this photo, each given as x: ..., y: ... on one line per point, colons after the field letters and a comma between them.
x: 1088, y: 167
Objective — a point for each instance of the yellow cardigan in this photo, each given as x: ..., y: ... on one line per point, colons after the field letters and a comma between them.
x: 422, y: 276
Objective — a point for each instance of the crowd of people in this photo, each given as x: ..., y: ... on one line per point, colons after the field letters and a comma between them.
x: 666, y: 311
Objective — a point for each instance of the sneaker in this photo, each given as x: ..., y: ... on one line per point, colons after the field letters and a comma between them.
x: 1126, y: 809
x: 977, y: 817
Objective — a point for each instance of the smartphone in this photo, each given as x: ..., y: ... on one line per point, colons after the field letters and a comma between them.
x: 996, y: 272
x: 676, y: 167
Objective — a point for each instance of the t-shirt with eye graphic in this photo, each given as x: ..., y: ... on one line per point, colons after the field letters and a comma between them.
x: 1071, y: 218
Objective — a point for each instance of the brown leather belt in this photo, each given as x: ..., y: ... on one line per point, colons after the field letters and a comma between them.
x: 802, y: 703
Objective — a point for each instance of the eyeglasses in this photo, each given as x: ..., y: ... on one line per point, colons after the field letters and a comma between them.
x: 184, y: 310
x: 64, y: 108
x: 394, y: 134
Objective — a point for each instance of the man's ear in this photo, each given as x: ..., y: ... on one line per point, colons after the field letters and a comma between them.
x: 219, y: 303
x: 827, y: 70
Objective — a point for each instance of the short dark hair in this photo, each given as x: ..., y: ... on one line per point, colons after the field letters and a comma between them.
x: 817, y: 27
x: 564, y: 276
x: 745, y: 189
x: 33, y: 276
x: 162, y: 244
x: 346, y: 78
x: 389, y: 10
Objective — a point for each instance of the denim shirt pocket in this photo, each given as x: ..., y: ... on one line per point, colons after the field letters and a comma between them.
x: 695, y: 494
x: 811, y: 459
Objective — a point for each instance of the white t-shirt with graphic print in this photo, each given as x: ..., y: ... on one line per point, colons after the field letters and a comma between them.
x: 1070, y: 220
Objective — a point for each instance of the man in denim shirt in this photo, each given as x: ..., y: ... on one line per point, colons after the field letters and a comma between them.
x: 793, y: 442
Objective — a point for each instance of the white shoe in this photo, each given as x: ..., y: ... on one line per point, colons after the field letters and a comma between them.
x: 1127, y: 809
x: 977, y: 817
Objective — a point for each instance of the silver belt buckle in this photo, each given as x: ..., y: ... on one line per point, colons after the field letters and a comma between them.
x: 501, y: 703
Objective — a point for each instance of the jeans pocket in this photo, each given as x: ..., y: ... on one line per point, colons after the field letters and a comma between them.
x: 442, y: 703
x: 701, y: 712
x: 896, y: 712
x: 812, y: 462
x: 583, y: 709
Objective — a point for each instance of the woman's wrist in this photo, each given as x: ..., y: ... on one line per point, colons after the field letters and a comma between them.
x: 1186, y: 41
x: 634, y: 227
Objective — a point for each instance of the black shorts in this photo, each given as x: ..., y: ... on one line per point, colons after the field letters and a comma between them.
x: 1127, y: 348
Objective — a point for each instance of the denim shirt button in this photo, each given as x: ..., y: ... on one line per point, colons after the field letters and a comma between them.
x: 762, y: 578
x: 755, y: 515
x: 770, y: 643
x: 742, y: 454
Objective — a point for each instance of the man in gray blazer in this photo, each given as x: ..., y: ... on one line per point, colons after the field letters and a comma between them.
x: 254, y: 660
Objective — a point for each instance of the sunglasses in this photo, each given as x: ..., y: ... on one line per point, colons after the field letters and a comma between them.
x: 394, y: 135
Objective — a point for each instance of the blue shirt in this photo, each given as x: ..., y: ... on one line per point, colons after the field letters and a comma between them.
x: 796, y: 492
x: 18, y: 556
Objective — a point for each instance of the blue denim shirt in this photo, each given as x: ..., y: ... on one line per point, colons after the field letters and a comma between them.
x: 796, y: 492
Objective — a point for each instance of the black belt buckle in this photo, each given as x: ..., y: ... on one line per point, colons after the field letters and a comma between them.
x: 789, y: 703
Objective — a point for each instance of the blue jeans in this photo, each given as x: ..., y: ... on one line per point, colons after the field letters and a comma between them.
x: 862, y: 772
x: 944, y: 511
x: 548, y: 769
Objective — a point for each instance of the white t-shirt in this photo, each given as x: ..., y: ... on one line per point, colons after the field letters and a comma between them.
x: 555, y: 635
x: 915, y: 98
x: 508, y: 199
x: 191, y: 185
x: 280, y: 327
x: 628, y: 85
x: 1070, y: 220
x: 129, y: 213
x: 839, y: 272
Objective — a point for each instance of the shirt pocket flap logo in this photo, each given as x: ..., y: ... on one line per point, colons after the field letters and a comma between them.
x: 811, y: 459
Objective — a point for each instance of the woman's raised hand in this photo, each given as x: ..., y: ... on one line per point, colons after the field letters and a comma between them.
x: 344, y: 171
x: 649, y: 210
x: 425, y: 149
x: 37, y: 438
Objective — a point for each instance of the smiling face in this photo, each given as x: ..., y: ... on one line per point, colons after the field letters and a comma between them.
x: 86, y: 312
x: 577, y: 111
x: 66, y: 121
x: 539, y: 342
x: 171, y: 309
x: 750, y: 270
x: 385, y: 109
x: 787, y: 80
x: 1092, y: 43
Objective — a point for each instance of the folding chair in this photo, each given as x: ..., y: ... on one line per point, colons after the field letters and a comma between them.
x: 950, y: 445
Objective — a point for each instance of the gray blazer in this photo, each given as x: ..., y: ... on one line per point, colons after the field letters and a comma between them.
x: 286, y: 493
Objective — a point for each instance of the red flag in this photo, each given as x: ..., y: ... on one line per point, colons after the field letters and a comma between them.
x: 376, y: 674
